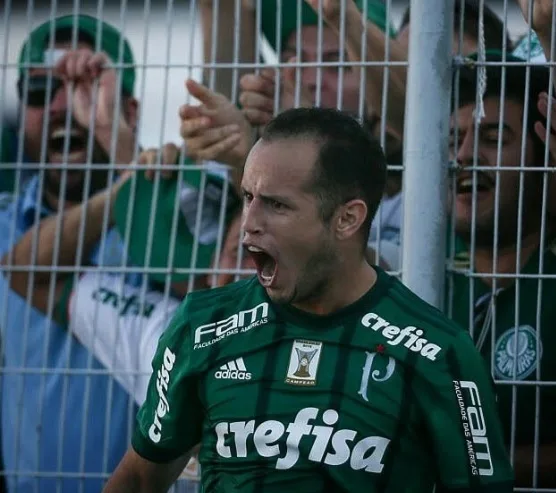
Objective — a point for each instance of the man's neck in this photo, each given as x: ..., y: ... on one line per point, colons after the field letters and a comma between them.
x: 343, y: 289
x: 506, y: 261
x: 52, y: 201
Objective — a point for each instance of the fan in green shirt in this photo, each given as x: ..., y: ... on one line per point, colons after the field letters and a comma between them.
x: 512, y: 315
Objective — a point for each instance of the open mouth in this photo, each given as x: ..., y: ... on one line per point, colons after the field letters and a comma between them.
x: 264, y: 263
x: 466, y: 185
x: 75, y: 141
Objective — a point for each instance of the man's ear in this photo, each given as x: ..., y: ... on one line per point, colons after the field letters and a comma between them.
x: 349, y: 218
x: 131, y: 111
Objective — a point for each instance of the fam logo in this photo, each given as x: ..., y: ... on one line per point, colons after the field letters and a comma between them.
x: 239, y: 322
x: 474, y: 428
x: 517, y: 350
x: 304, y: 362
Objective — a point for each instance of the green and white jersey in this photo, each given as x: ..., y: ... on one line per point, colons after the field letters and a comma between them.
x: 384, y: 395
x: 514, y: 328
x: 119, y: 323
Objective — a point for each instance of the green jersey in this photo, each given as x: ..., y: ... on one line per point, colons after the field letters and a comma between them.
x: 384, y: 395
x: 497, y: 321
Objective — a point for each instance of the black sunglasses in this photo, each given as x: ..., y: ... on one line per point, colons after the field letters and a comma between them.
x: 37, y: 86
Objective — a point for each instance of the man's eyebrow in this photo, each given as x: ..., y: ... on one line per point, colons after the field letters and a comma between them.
x: 485, y: 127
x: 276, y: 197
x: 331, y: 53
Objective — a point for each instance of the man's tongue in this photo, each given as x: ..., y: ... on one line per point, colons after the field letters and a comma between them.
x: 266, y: 265
x: 268, y: 268
x: 73, y: 142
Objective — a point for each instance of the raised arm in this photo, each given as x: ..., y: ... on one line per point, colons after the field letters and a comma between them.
x: 66, y: 225
x: 169, y: 423
x: 375, y: 45
x: 135, y: 474
x: 541, y: 21
x: 216, y: 130
x: 224, y: 32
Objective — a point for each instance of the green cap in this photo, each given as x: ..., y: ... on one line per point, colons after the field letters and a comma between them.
x: 376, y: 13
x: 143, y: 213
x: 33, y: 50
x: 515, y: 83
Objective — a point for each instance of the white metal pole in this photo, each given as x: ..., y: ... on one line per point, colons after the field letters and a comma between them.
x: 426, y: 157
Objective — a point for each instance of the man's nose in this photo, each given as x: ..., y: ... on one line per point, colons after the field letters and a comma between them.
x: 59, y: 102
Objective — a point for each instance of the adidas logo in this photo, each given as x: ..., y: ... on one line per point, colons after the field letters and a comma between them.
x: 233, y: 370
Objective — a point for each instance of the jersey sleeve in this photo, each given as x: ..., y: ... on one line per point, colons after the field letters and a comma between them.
x: 169, y: 423
x: 463, y: 424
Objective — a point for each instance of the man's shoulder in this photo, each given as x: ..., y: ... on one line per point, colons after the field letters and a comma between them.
x: 206, y: 306
x: 407, y: 320
x: 421, y: 337
x: 7, y: 202
x: 410, y: 305
x: 213, y: 315
x: 9, y: 224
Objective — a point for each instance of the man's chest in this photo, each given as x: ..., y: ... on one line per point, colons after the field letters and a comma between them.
x: 513, y: 328
x: 306, y: 401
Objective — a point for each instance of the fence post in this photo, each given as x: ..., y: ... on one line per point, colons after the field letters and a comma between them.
x: 426, y: 157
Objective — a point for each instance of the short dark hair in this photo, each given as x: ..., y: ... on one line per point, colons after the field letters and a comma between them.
x: 350, y: 163
x: 515, y: 87
x: 493, y: 26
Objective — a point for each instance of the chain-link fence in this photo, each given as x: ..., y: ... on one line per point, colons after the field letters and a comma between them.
x: 467, y: 220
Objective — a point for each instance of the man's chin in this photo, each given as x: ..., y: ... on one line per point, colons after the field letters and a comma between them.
x: 280, y: 296
x: 481, y: 234
x: 74, y: 187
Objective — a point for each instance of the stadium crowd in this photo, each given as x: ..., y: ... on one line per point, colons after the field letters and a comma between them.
x: 97, y: 258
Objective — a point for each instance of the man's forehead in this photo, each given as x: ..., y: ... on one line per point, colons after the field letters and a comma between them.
x: 289, y: 159
x: 310, y: 40
x: 494, y: 112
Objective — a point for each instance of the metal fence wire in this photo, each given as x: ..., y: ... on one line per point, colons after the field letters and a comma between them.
x: 467, y: 223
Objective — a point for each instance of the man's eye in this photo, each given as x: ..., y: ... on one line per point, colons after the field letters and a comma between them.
x: 277, y: 205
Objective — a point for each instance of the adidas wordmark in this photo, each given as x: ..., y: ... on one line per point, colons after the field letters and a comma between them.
x: 233, y: 370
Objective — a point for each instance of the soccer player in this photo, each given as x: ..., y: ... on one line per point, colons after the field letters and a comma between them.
x: 322, y: 373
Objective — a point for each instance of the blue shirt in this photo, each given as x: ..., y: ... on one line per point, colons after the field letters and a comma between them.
x: 64, y: 423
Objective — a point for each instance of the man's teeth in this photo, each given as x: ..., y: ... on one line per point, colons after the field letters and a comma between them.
x: 255, y: 249
x: 61, y: 133
x: 469, y: 185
